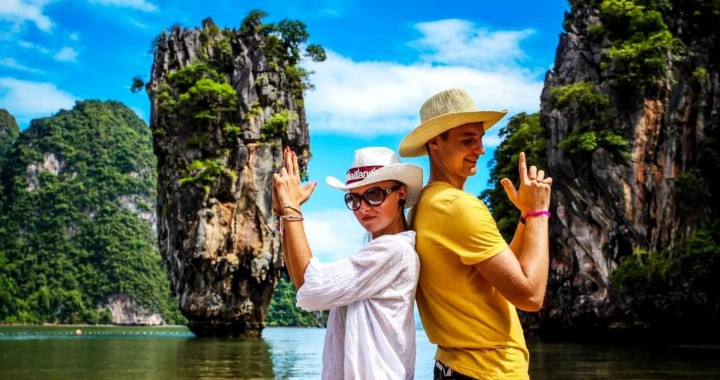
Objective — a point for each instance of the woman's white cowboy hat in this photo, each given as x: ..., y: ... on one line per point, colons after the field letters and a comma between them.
x: 375, y: 164
x: 444, y: 111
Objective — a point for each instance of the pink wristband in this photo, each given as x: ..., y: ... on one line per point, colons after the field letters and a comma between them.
x: 537, y: 213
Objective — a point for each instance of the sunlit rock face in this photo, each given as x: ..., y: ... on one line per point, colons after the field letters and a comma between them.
x: 216, y: 153
x: 606, y: 208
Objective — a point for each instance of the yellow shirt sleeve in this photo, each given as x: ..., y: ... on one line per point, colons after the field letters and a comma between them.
x: 471, y: 231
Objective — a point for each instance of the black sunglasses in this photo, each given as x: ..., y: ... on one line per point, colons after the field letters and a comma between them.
x: 373, y: 196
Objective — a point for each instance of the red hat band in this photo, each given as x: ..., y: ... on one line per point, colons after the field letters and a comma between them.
x: 360, y: 173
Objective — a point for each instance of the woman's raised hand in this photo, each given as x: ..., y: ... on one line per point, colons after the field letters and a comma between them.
x: 287, y: 187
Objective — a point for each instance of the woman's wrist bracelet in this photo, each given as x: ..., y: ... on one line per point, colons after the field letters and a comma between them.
x: 291, y: 208
x: 531, y: 214
x: 290, y: 218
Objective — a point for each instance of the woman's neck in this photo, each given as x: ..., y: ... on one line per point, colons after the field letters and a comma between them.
x: 397, y: 226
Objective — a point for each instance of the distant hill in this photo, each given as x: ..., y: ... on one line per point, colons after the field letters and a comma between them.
x: 9, y: 131
x: 78, y: 220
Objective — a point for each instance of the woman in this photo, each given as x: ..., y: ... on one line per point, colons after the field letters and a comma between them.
x: 370, y: 294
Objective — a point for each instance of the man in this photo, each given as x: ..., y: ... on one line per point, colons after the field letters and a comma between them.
x: 471, y: 280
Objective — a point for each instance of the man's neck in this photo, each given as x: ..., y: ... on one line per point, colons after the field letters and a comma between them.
x: 439, y: 175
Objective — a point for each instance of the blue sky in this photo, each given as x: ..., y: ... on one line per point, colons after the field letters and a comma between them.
x: 385, y: 58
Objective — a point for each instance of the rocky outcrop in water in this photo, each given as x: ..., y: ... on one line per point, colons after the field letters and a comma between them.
x: 635, y: 92
x: 224, y: 104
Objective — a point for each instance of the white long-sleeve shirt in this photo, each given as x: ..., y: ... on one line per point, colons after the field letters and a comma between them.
x: 371, y: 327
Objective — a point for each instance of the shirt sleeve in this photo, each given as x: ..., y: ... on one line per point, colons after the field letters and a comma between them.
x: 471, y: 230
x: 354, y: 278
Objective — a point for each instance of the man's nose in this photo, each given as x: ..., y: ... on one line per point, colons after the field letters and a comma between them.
x: 479, y: 149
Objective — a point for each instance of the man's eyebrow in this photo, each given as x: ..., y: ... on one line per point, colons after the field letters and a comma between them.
x: 473, y: 134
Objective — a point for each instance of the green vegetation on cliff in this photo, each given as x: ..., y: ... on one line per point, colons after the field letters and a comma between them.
x: 658, y: 284
x: 640, y: 41
x: 644, y: 36
x: 9, y: 131
x: 579, y: 100
x: 76, y: 221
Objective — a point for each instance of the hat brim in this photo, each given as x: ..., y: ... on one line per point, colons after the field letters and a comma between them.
x: 413, y: 145
x: 410, y: 175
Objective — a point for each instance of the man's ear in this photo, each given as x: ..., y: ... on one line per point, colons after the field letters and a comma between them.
x: 433, y: 143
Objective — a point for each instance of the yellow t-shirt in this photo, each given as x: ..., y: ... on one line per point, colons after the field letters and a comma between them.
x: 477, y: 331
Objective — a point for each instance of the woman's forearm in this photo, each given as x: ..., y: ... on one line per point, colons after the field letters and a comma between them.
x: 296, y: 250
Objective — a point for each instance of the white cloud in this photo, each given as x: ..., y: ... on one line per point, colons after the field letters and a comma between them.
x: 20, y: 11
x: 32, y: 46
x: 371, y: 98
x: 460, y: 42
x: 74, y: 36
x: 333, y: 233
x: 28, y: 100
x: 13, y: 64
x: 138, y: 24
x: 140, y: 5
x: 66, y: 54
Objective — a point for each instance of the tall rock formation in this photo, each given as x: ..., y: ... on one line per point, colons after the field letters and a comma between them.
x: 224, y: 104
x: 631, y: 109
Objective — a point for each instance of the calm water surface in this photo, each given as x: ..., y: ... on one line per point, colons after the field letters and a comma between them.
x: 296, y: 353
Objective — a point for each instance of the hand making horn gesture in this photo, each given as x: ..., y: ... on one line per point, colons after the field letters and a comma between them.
x: 287, y: 187
x: 533, y: 194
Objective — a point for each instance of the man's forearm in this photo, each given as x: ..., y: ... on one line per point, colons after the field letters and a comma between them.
x: 534, y: 259
x: 518, y: 242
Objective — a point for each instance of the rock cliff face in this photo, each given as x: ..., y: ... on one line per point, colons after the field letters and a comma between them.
x: 125, y: 311
x: 223, y: 107
x: 610, y: 206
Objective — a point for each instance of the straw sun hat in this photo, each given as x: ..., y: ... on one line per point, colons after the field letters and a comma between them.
x: 376, y: 164
x: 444, y: 111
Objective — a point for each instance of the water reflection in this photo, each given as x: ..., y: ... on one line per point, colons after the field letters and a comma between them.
x: 119, y: 357
x: 563, y: 360
x: 221, y: 359
x: 296, y: 353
